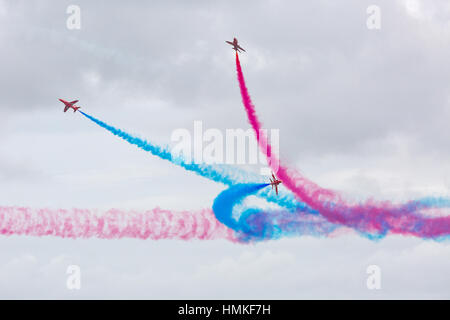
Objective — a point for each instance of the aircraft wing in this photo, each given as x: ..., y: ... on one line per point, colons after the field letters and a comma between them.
x: 66, y: 108
x: 239, y: 47
x: 74, y: 101
x: 229, y: 42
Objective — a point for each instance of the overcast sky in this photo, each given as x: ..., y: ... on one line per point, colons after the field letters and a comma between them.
x: 361, y: 111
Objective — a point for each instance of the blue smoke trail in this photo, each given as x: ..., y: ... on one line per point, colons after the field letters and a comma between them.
x: 218, y: 173
x: 226, y: 200
x: 255, y: 224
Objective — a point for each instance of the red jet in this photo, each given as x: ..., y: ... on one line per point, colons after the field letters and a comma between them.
x: 69, y: 105
x: 235, y: 45
x: 274, y: 182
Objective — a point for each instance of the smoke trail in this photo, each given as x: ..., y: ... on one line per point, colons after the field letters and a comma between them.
x: 254, y: 224
x: 369, y: 217
x: 218, y: 173
x: 226, y: 200
x: 214, y: 174
x: 153, y: 224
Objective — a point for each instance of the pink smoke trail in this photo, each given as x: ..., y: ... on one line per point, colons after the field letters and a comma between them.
x: 371, y: 216
x: 153, y: 224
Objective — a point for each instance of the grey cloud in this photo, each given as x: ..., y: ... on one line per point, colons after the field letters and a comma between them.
x: 363, y: 111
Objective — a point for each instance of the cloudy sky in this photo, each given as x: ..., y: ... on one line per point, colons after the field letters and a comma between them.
x: 361, y: 111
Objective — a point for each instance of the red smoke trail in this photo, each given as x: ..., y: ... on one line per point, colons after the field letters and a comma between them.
x: 153, y: 224
x: 371, y: 216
